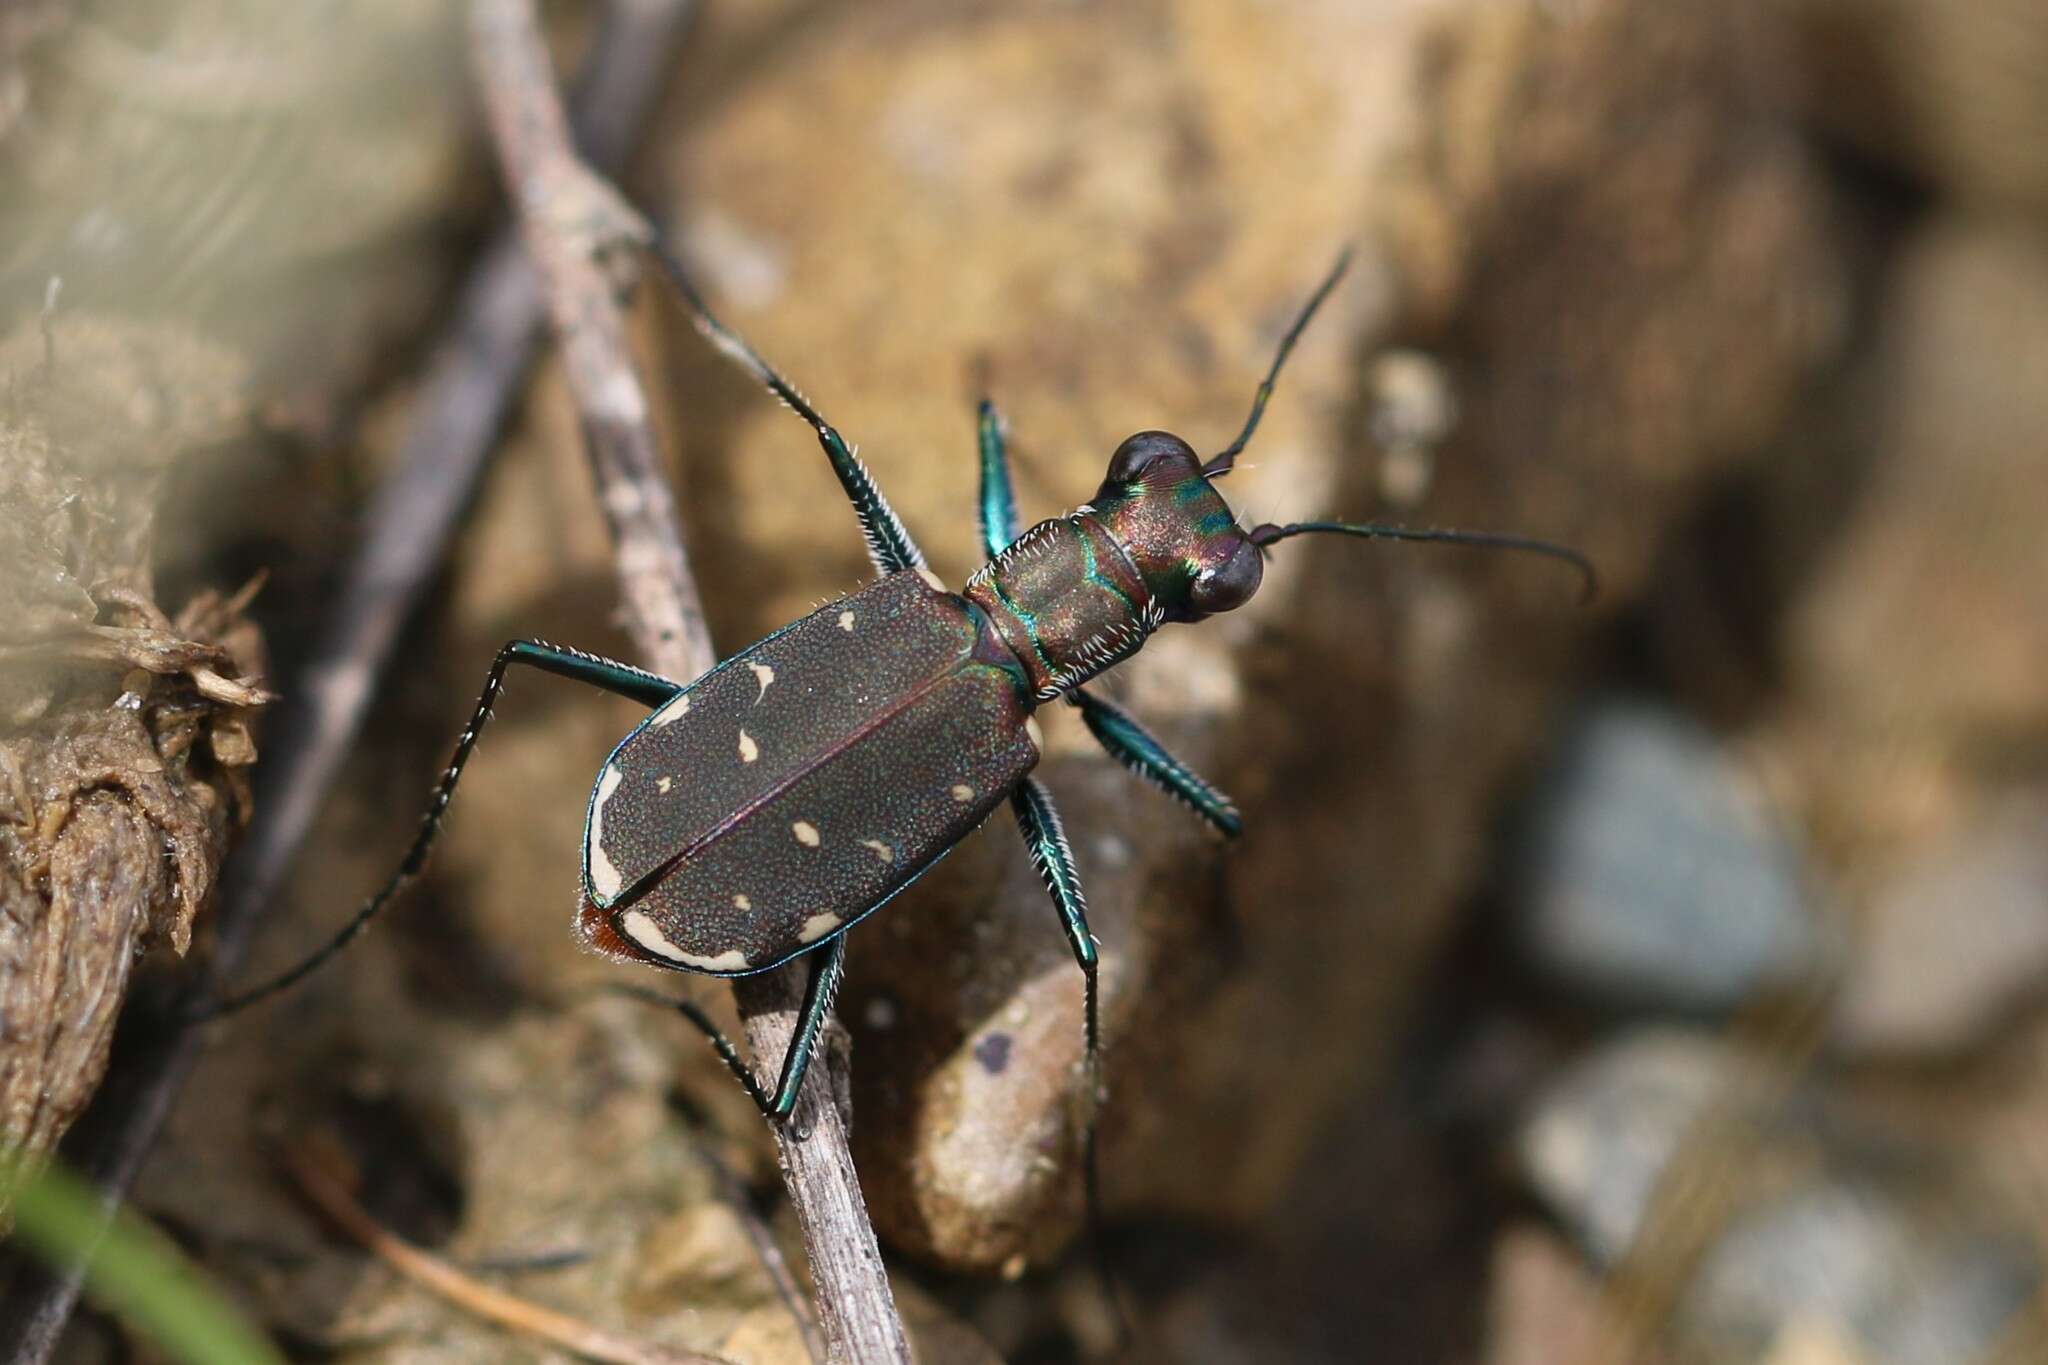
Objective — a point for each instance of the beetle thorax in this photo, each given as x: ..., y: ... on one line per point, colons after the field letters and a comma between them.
x: 1067, y: 598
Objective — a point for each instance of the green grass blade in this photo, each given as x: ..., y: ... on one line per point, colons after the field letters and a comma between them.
x: 134, y: 1271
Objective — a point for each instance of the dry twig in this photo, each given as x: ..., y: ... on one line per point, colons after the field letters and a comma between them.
x: 765, y: 1246
x: 570, y: 216
x: 466, y: 1292
x: 476, y: 372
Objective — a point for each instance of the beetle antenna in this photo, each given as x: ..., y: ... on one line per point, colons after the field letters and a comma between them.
x: 1270, y: 534
x: 1222, y: 464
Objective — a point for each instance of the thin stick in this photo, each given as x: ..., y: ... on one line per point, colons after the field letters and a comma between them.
x: 477, y: 369
x: 568, y: 214
x: 468, y: 1293
x: 765, y: 1246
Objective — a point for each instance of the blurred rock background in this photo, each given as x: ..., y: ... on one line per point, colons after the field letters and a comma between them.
x: 1654, y: 982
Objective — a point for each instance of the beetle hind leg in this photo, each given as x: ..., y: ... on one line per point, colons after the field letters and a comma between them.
x: 608, y: 675
x: 776, y: 1105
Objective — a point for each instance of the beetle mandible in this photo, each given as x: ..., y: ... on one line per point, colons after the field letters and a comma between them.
x: 763, y: 810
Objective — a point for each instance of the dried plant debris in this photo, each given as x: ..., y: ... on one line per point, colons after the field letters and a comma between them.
x: 124, y: 731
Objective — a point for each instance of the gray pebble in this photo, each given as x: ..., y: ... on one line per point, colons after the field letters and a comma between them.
x: 1953, y: 940
x: 1649, y: 874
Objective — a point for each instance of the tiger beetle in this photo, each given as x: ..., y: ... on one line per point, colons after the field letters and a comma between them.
x: 761, y: 811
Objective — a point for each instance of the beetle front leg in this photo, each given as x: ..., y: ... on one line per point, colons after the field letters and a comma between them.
x: 889, y: 542
x: 998, y: 494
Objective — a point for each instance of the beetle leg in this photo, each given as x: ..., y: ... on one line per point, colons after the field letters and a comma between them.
x: 1132, y: 745
x: 1047, y: 840
x: 1043, y: 835
x: 888, y: 540
x: 998, y: 497
x: 810, y: 1024
x: 608, y: 674
x: 721, y: 1044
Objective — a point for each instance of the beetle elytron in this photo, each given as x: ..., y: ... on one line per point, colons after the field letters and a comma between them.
x: 764, y: 809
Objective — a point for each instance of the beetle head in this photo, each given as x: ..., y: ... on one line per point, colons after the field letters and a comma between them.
x: 1177, y: 529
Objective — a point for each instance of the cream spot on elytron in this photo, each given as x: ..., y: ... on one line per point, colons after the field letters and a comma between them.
x: 806, y: 833
x: 882, y: 850
x: 816, y: 927
x: 742, y: 903
x: 1036, y: 735
x: 648, y: 935
x: 604, y: 878
x: 846, y: 620
x: 749, y: 751
x: 763, y: 675
x: 664, y: 783
x: 671, y: 711
x: 938, y: 584
x: 962, y: 793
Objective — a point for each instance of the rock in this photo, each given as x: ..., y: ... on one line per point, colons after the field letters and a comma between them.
x: 1668, y: 1141
x: 1649, y: 872
x: 1544, y: 1307
x: 1812, y: 1343
x: 699, y: 1255
x: 1954, y: 94
x: 1924, y: 621
x: 1953, y: 939
x: 1600, y: 1139
x: 766, y: 1336
x: 1903, y: 1287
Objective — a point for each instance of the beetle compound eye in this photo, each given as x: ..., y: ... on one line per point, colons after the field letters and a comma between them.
x: 1229, y: 583
x: 1137, y: 455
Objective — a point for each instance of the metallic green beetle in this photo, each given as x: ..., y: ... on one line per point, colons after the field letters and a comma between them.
x: 762, y: 810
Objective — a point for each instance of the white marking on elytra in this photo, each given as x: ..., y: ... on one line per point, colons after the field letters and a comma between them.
x: 937, y: 584
x: 882, y: 850
x: 664, y: 783
x: 742, y: 903
x: 806, y: 833
x: 671, y: 712
x: 1037, y: 736
x: 846, y: 621
x: 763, y: 675
x: 648, y: 935
x: 749, y: 751
x: 816, y: 927
x: 604, y: 878
x: 962, y: 793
